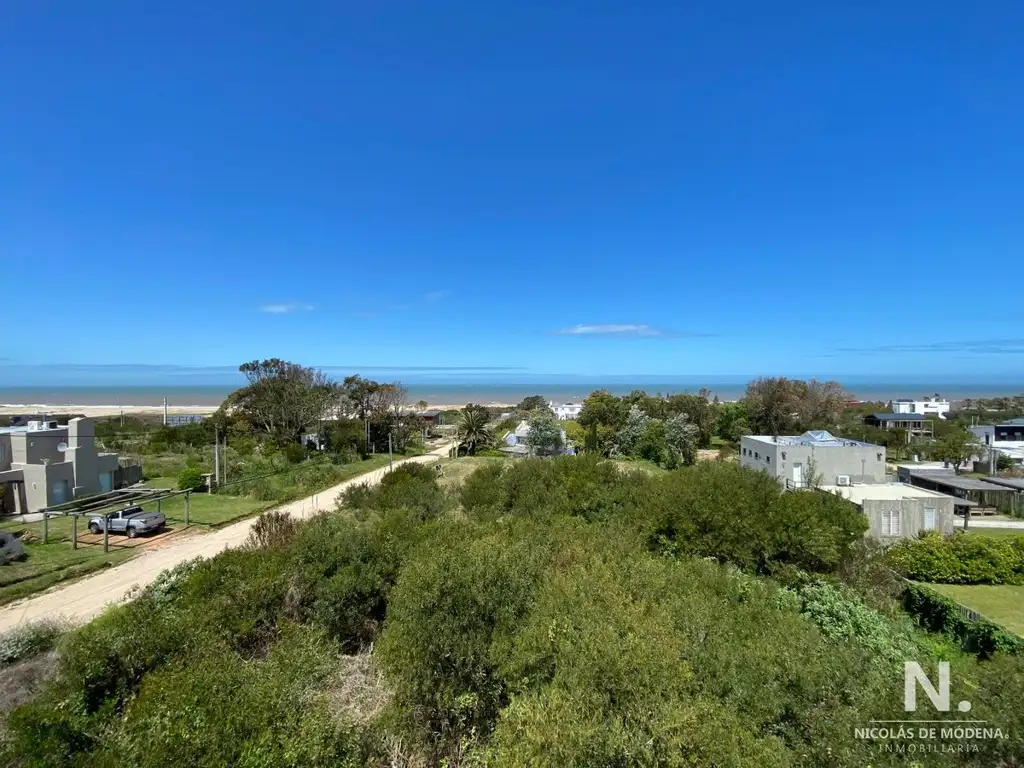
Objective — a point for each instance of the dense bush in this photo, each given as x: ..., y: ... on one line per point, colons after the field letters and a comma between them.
x: 191, y: 479
x: 938, y: 613
x: 574, y: 615
x: 960, y: 559
x: 28, y: 640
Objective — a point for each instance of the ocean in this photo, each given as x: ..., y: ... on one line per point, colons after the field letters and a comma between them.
x: 438, y: 393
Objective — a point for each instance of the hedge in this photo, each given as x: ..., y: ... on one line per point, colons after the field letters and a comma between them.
x: 938, y: 613
x: 960, y: 559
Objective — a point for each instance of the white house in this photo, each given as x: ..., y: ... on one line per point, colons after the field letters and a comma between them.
x: 929, y: 406
x: 566, y: 411
x: 1006, y: 438
x: 517, y: 441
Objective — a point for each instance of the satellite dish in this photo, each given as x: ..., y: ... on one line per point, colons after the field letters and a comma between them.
x: 61, y: 447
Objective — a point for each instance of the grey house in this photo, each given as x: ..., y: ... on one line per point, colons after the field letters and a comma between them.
x: 834, y: 461
x: 897, y: 510
x: 43, y: 464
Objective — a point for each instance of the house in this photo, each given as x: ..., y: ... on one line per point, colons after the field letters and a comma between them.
x: 833, y: 460
x: 431, y: 417
x: 983, y: 496
x: 565, y: 411
x: 517, y: 442
x: 1006, y: 439
x: 180, y: 419
x: 898, y: 510
x: 929, y: 406
x: 915, y: 424
x: 43, y: 464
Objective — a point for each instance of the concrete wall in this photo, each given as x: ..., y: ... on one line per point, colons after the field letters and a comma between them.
x: 911, y: 515
x: 82, y: 454
x: 829, y: 461
x: 5, y: 452
x: 40, y: 480
x: 34, y: 447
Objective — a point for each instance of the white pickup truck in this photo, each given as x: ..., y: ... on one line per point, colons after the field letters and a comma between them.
x: 133, y: 521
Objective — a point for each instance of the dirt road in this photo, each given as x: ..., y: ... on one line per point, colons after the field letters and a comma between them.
x: 80, y: 601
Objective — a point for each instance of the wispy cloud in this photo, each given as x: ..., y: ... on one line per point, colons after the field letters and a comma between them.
x: 969, y: 347
x: 626, y: 331
x: 436, y: 295
x: 285, y: 308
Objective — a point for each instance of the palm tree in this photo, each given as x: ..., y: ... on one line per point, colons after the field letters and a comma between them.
x: 473, y: 428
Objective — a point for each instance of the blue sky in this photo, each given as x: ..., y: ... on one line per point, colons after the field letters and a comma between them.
x: 576, y: 187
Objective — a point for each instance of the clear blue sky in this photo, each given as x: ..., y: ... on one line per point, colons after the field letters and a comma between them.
x: 584, y: 187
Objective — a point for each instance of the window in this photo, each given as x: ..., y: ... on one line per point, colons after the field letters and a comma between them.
x: 768, y: 459
x: 878, y: 456
x: 757, y: 455
x: 929, y: 518
x: 891, y: 523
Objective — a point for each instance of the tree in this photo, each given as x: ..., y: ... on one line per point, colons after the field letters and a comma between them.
x: 545, y: 436
x: 772, y: 405
x: 699, y: 412
x: 681, y: 437
x: 631, y: 432
x: 281, y: 399
x: 956, y: 448
x: 604, y: 409
x: 731, y: 421
x: 473, y: 428
x: 421, y: 405
x: 819, y: 403
x: 533, y: 403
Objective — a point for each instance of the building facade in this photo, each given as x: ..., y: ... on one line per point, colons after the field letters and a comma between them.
x: 792, y: 460
x: 929, y: 406
x: 1005, y: 439
x: 566, y: 411
x: 43, y: 464
x: 899, y: 511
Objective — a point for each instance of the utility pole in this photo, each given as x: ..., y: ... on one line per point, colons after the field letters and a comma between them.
x: 390, y: 457
x: 216, y: 457
x: 165, y: 411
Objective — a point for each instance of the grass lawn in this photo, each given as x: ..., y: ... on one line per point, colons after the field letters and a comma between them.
x: 49, y: 564
x: 1001, y: 603
x: 998, y: 532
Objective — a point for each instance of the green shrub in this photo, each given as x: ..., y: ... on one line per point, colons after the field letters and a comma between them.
x: 959, y: 559
x: 294, y: 453
x: 191, y: 479
x: 272, y: 530
x: 29, y: 639
x: 938, y: 613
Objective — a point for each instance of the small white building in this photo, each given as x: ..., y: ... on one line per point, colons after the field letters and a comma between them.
x: 898, y: 510
x: 929, y: 406
x: 1006, y: 439
x: 517, y: 441
x: 565, y: 411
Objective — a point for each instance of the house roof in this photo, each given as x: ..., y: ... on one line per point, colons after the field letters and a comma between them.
x: 819, y: 438
x: 884, y: 492
x: 953, y: 480
x: 1016, y: 483
x: 898, y: 416
x: 432, y: 413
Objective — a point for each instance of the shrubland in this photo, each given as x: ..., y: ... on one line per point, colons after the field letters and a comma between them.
x: 555, y: 612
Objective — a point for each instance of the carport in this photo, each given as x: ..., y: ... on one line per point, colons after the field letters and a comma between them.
x: 104, y: 504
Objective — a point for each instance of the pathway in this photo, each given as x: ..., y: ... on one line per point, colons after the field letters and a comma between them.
x: 80, y: 601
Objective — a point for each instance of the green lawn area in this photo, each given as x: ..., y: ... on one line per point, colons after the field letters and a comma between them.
x: 49, y: 564
x: 998, y: 532
x: 1001, y: 603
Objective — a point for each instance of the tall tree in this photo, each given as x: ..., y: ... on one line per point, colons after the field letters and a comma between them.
x: 772, y: 405
x: 533, y: 403
x: 545, y: 436
x: 699, y: 413
x: 473, y: 429
x: 682, y: 436
x: 281, y: 398
x: 604, y: 409
x: 632, y: 431
x: 956, y: 448
x: 820, y: 403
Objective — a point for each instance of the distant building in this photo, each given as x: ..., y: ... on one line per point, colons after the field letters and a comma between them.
x: 916, y: 424
x: 1006, y: 439
x: 980, y: 495
x: 898, y: 510
x: 929, y: 406
x: 178, y: 419
x: 43, y: 464
x: 432, y: 417
x: 836, y: 461
x: 566, y: 411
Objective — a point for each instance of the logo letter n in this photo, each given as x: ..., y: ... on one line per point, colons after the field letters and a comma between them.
x: 913, y: 674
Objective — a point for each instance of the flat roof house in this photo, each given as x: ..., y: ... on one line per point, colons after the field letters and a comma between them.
x: 834, y: 460
x: 43, y: 464
x: 897, y: 510
x: 914, y: 423
x: 565, y: 411
x: 933, y: 406
x: 1006, y: 438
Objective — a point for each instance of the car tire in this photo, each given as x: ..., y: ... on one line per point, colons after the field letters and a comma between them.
x: 94, y: 528
x: 132, y: 533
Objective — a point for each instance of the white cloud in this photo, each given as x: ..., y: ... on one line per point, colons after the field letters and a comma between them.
x: 436, y: 295
x: 286, y: 308
x: 632, y: 330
